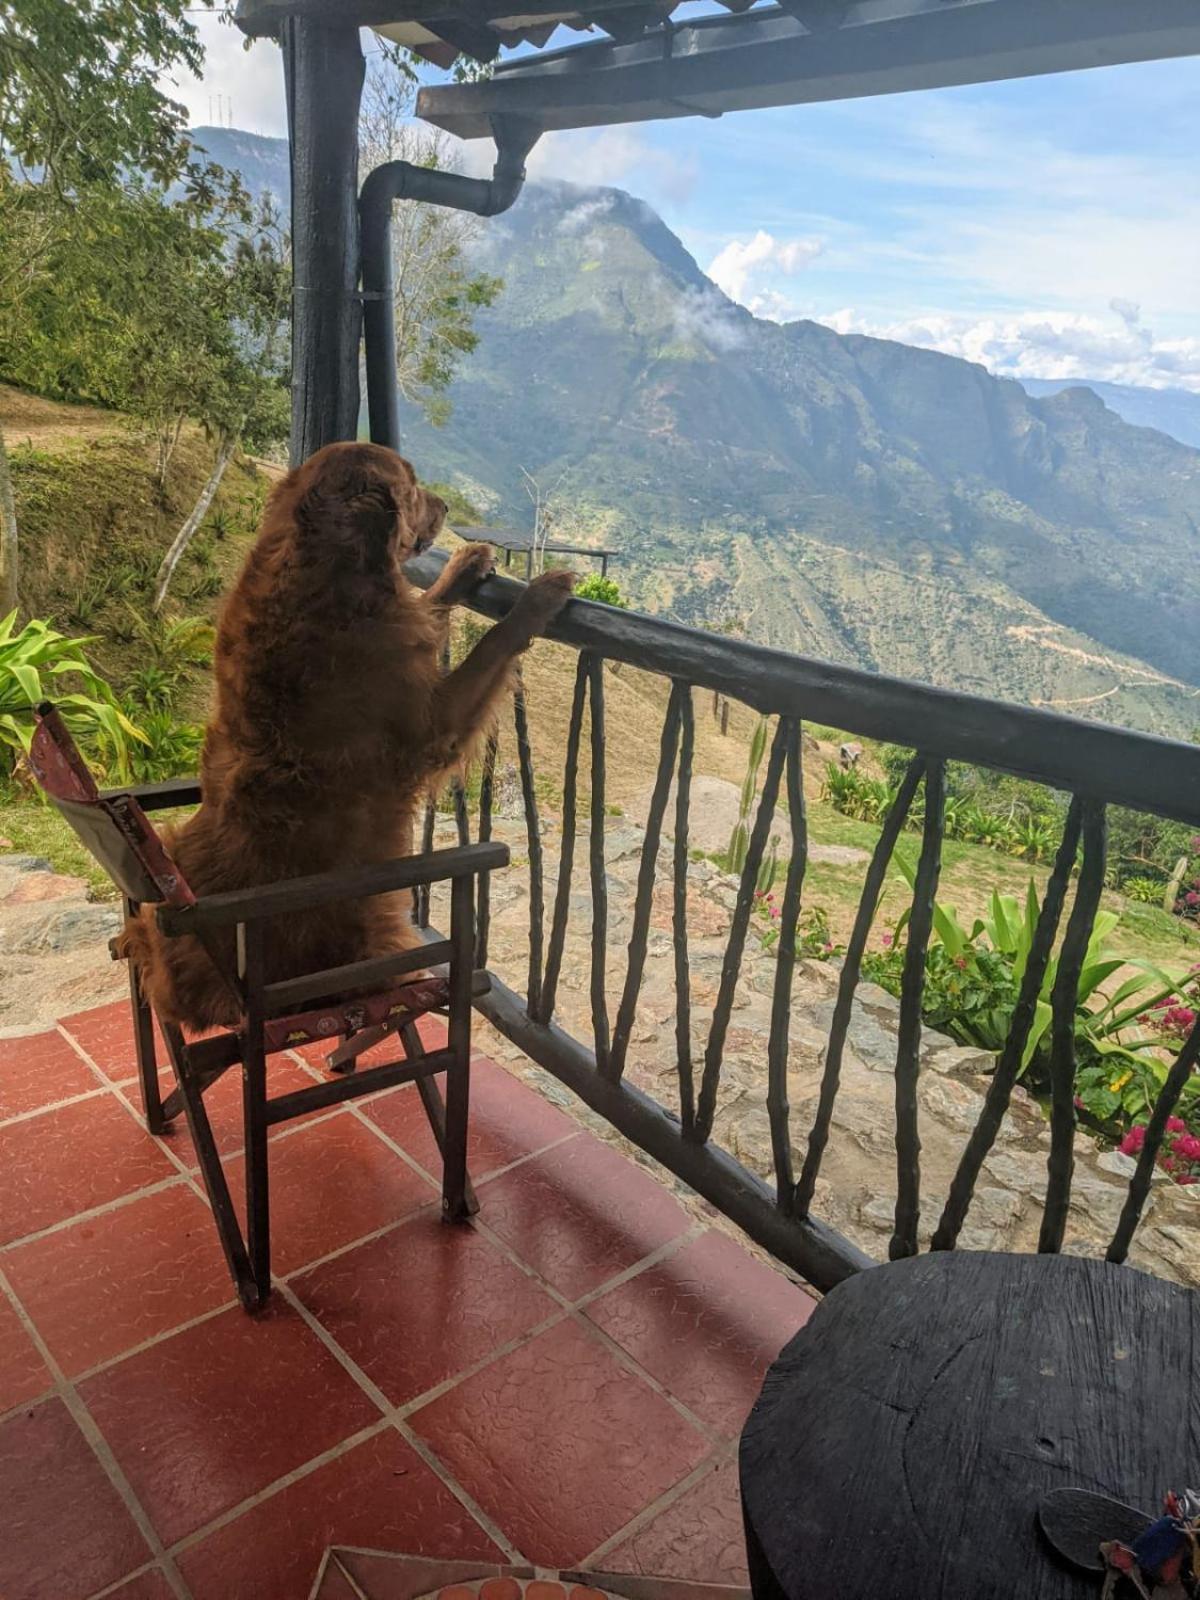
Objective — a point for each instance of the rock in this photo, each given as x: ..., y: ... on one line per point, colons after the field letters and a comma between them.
x: 1018, y: 1170
x: 873, y: 1045
x: 36, y: 886
x: 995, y: 1208
x: 59, y: 930
x: 1100, y: 1200
x: 939, y: 1055
x: 838, y: 855
x: 950, y: 1102
x: 1124, y: 1167
x: 18, y: 864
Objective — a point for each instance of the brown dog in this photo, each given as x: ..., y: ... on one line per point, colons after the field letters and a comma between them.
x: 332, y: 716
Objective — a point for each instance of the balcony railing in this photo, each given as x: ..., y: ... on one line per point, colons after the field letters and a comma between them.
x: 1096, y: 765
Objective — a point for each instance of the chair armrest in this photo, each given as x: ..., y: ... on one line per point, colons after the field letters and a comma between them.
x: 159, y: 796
x: 352, y: 883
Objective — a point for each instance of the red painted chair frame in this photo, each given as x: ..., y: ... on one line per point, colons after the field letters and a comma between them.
x: 360, y: 1003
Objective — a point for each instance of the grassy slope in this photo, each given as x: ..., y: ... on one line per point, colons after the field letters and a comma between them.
x: 94, y: 526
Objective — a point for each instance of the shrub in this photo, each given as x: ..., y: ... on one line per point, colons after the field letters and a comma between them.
x: 1122, y: 1042
x: 605, y: 590
x: 171, y: 749
x: 40, y: 664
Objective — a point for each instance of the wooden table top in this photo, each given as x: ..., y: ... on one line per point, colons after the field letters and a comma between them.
x: 904, y: 1438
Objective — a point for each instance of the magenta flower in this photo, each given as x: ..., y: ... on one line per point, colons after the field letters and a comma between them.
x: 1187, y: 1146
x: 1133, y: 1141
x: 888, y: 940
x: 1176, y: 1125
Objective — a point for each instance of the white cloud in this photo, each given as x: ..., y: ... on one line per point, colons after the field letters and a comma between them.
x: 1053, y: 344
x: 248, y: 81
x: 706, y: 315
x: 618, y: 157
x: 742, y: 260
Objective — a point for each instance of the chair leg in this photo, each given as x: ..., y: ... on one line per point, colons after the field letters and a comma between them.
x: 459, y: 1202
x: 147, y: 1056
x: 258, y: 1193
x: 211, y: 1171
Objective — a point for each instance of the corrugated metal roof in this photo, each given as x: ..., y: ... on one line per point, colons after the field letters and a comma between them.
x: 442, y: 31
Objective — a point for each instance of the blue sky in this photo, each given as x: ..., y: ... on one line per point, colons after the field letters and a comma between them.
x: 1046, y: 226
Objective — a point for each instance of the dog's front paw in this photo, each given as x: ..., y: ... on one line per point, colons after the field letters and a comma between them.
x: 465, y: 568
x: 544, y: 599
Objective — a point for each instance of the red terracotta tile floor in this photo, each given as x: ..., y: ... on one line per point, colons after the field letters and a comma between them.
x: 561, y: 1384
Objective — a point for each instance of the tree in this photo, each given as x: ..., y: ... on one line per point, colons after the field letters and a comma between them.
x: 79, y: 107
x: 437, y: 291
x: 247, y: 404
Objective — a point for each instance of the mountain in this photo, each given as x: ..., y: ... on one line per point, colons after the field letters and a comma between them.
x: 1173, y: 411
x: 852, y: 498
x: 260, y: 161
x: 846, y: 496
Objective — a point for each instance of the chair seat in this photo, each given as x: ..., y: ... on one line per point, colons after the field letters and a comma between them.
x: 336, y: 1018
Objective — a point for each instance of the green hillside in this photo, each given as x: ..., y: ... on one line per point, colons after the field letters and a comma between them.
x: 843, y: 496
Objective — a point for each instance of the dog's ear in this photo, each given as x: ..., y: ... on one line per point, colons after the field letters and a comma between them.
x: 350, y: 499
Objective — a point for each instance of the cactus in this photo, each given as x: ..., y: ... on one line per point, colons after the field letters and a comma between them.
x: 769, y: 870
x: 739, y: 839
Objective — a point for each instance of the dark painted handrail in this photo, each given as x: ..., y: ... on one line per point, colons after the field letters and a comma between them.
x: 1096, y: 765
x: 1093, y: 759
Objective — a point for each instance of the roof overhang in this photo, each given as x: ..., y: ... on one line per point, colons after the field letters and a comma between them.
x: 813, y: 50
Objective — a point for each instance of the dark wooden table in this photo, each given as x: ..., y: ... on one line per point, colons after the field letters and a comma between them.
x: 904, y: 1438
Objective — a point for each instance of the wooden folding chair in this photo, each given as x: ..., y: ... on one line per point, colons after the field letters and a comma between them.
x: 359, y: 1004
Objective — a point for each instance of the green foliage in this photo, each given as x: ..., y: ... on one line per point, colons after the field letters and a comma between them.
x: 603, y: 589
x: 1146, y: 891
x: 814, y: 939
x: 972, y: 981
x: 171, y: 748
x: 1025, y: 830
x: 82, y: 91
x: 40, y: 664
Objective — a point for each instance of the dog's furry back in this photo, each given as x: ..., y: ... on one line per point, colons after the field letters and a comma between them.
x: 319, y: 747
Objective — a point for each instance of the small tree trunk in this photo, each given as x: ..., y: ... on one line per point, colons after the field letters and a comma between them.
x: 195, y: 517
x: 168, y: 438
x: 8, y: 535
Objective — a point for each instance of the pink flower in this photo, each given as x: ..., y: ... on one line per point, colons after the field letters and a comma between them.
x: 1133, y: 1141
x: 1176, y: 1125
x: 1188, y: 1146
x: 828, y: 946
x: 1185, y: 1177
x: 1191, y: 898
x: 1196, y: 844
x: 888, y: 940
x: 961, y: 963
x: 1079, y: 1105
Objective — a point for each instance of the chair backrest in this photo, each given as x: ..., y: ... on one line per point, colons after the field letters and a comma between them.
x: 113, y: 827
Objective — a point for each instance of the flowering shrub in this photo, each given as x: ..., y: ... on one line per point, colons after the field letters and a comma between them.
x: 1123, y: 1043
x: 814, y: 941
x: 1180, y: 1151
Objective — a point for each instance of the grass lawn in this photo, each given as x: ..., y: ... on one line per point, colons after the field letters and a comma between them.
x: 969, y: 874
x: 35, y: 829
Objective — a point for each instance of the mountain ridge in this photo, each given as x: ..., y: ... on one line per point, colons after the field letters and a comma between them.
x: 856, y: 498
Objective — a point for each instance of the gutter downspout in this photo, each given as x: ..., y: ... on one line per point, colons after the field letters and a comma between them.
x: 400, y: 180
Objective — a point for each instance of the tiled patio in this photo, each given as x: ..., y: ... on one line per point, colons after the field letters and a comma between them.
x: 561, y: 1384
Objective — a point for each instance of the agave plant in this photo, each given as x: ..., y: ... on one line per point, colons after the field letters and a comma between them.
x: 39, y: 664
